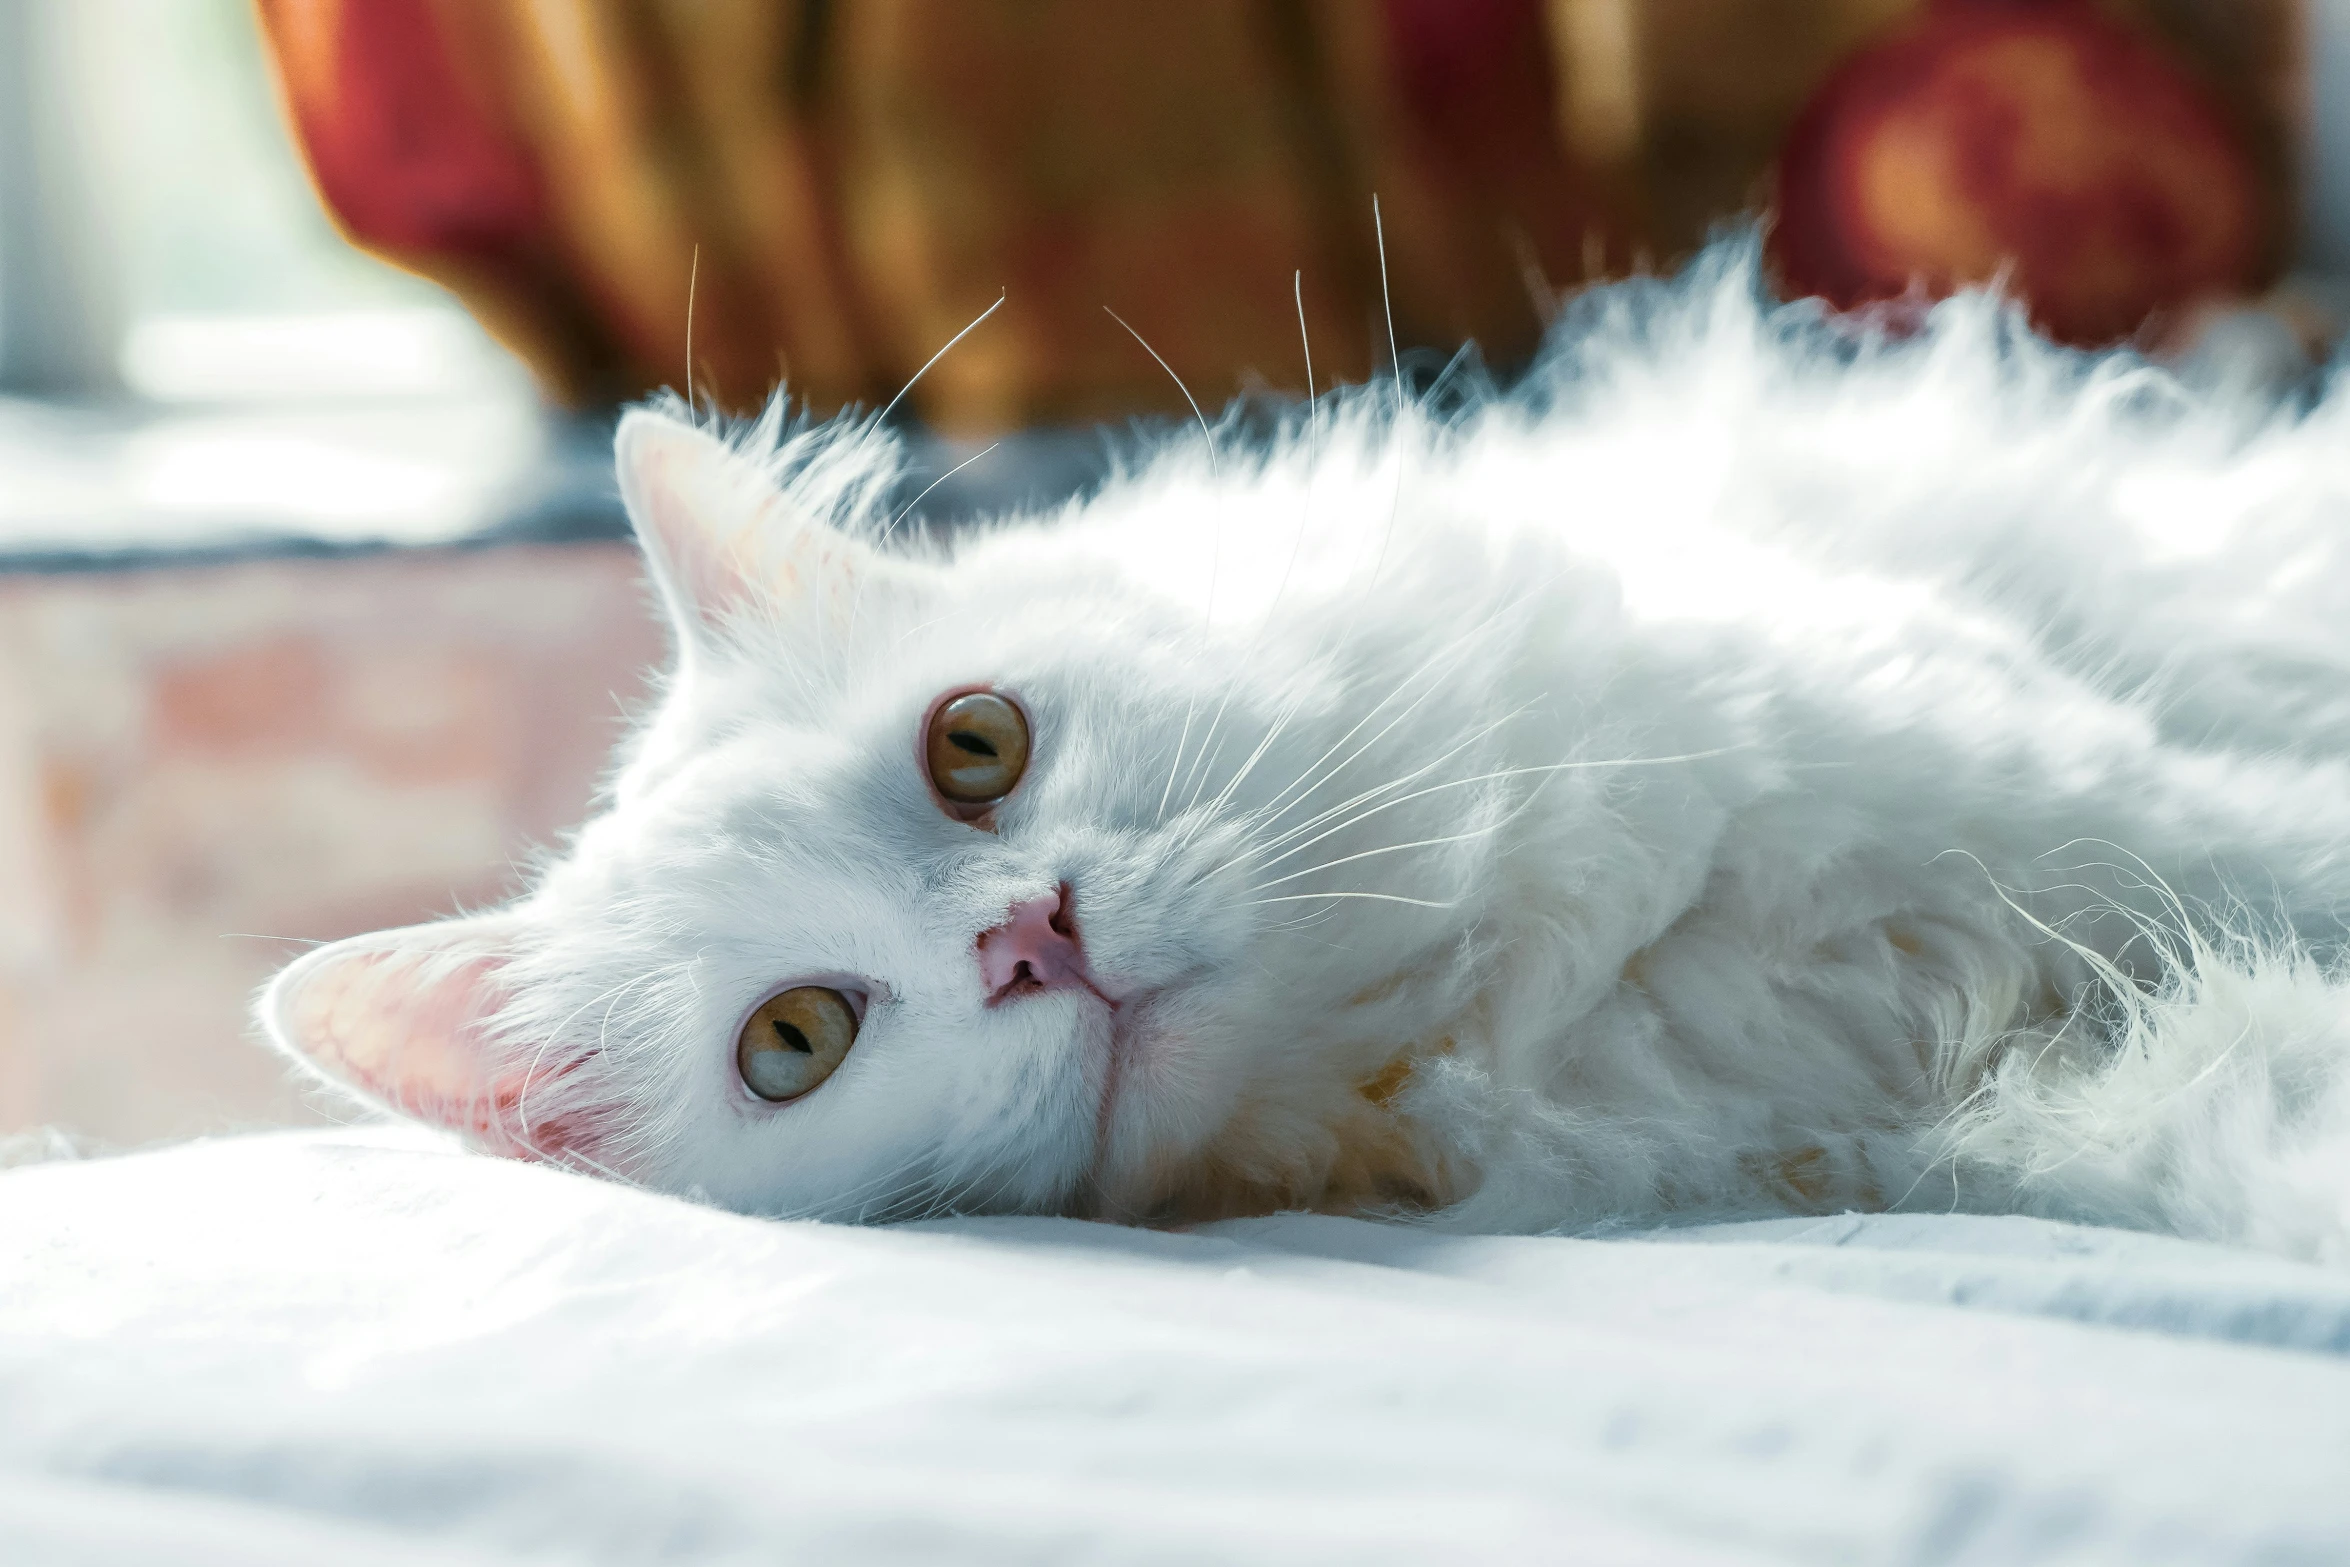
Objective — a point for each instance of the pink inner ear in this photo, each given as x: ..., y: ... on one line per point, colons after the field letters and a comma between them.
x: 721, y: 536
x: 407, y: 1028
x: 695, y: 506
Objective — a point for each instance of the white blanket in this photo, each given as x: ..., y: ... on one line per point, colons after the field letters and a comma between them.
x: 310, y: 1349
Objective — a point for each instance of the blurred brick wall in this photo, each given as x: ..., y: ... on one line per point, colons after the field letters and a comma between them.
x: 203, y: 767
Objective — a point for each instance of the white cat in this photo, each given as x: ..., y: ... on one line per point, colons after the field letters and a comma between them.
x: 1742, y: 770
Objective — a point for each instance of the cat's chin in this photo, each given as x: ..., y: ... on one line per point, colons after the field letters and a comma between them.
x: 1140, y: 1125
x: 1169, y: 1123
x: 1184, y: 1136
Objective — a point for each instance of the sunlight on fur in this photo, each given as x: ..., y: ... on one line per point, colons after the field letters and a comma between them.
x: 1654, y: 791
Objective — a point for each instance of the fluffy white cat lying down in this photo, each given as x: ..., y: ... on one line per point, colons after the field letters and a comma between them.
x: 1743, y: 769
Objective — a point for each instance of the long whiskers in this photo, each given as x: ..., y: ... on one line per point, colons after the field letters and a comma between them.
x: 693, y: 282
x: 1395, y: 368
x: 1484, y: 830
x: 1375, y: 897
x: 883, y: 416
x: 1206, y: 434
x: 1472, y: 834
x: 1306, y: 785
x: 934, y: 484
x: 1273, y: 732
x: 1282, y: 803
x: 1340, y: 820
x: 1177, y: 765
x: 1216, y: 545
x: 1200, y: 773
x: 1372, y: 793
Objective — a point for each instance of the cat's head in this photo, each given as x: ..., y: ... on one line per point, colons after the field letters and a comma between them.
x: 943, y: 876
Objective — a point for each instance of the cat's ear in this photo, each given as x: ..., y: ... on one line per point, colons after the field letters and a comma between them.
x: 405, y: 1018
x: 721, y: 537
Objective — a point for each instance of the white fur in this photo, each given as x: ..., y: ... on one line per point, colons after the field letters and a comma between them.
x: 1744, y: 767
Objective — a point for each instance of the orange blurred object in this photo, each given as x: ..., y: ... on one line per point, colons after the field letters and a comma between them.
x: 2042, y: 139
x: 841, y: 188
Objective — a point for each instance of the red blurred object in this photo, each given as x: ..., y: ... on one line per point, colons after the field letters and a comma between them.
x: 2039, y: 138
x: 403, y: 151
x: 396, y: 105
x: 839, y: 189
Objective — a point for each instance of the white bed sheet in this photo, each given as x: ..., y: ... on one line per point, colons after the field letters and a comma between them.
x: 342, y: 1349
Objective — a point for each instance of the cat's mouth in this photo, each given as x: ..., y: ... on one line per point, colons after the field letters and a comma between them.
x: 1024, y: 983
x: 1115, y: 1071
x: 1133, y: 1055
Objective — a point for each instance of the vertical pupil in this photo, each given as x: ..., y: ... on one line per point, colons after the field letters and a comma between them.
x: 793, y: 1039
x: 965, y: 740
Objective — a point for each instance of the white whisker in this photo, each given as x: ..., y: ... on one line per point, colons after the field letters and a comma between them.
x: 1305, y: 520
x: 1395, y: 368
x: 1372, y: 854
x: 1433, y: 664
x: 1376, y: 897
x: 1206, y: 434
x: 934, y: 484
x: 1279, y: 725
x: 1545, y: 769
x: 1216, y: 543
x: 883, y: 416
x: 1189, y: 707
x: 693, y: 280
x: 1374, y: 792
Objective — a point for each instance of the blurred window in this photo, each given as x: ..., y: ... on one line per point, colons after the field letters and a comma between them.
x: 160, y: 209
x: 191, y: 358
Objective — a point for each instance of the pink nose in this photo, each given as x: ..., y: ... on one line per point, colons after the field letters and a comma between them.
x: 1035, y: 948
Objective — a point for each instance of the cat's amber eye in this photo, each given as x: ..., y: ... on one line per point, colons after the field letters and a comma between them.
x: 796, y: 1040
x: 977, y: 748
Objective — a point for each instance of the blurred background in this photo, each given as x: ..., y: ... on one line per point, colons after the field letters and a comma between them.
x: 316, y: 609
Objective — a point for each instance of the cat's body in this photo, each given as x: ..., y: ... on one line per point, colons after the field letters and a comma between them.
x: 1735, y: 774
